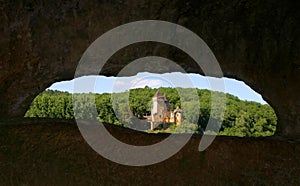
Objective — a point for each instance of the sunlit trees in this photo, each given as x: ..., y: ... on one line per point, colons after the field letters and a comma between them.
x: 241, y: 118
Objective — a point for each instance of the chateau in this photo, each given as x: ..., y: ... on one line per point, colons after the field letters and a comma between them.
x: 161, y: 111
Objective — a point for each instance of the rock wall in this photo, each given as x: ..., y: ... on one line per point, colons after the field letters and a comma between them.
x: 54, y: 153
x: 255, y: 41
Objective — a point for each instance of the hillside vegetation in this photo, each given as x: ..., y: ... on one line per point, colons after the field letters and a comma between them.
x: 241, y: 118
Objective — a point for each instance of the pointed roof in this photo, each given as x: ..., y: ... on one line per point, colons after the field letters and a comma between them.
x: 165, y: 97
x: 157, y: 94
x: 177, y: 110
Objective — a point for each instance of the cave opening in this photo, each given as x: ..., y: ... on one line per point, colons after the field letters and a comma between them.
x: 246, y: 114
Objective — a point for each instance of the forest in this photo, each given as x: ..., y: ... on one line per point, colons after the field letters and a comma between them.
x: 241, y: 118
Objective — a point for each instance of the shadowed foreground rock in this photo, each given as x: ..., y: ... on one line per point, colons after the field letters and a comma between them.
x: 255, y: 41
x: 54, y: 153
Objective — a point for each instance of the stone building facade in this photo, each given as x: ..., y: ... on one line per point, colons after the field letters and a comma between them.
x: 161, y: 111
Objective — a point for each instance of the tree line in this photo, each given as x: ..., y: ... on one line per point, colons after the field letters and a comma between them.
x: 241, y: 118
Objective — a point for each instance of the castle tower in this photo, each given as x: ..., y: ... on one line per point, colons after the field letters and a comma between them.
x: 160, y: 109
x: 177, y: 114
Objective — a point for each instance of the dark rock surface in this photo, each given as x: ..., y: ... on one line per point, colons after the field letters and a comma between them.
x: 54, y: 153
x: 255, y: 41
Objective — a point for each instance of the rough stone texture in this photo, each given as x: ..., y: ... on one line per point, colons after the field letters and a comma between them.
x: 55, y: 154
x: 255, y: 41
